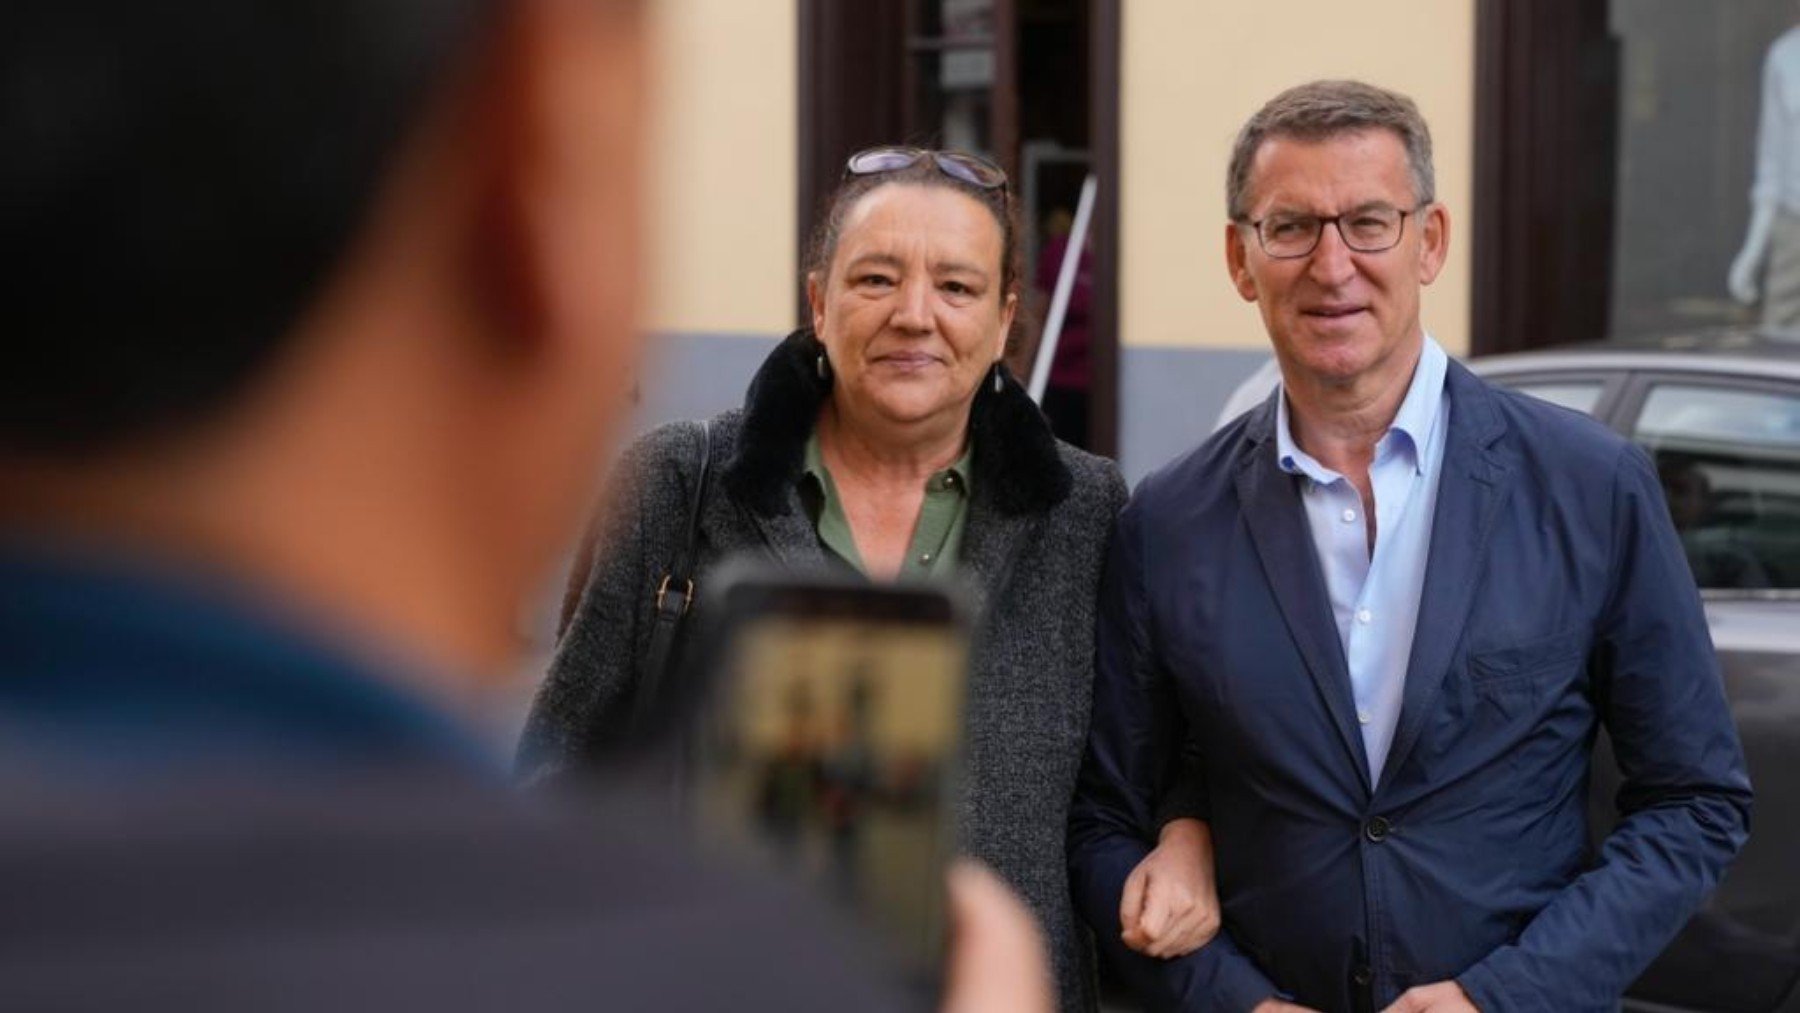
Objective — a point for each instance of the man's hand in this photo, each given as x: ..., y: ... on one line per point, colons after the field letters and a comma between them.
x: 997, y: 959
x: 1443, y: 997
x: 1281, y: 1006
x: 1170, y: 906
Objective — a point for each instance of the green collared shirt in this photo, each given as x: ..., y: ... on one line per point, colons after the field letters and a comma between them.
x: 937, y: 537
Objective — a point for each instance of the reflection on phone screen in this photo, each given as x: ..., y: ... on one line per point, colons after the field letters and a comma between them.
x: 830, y: 755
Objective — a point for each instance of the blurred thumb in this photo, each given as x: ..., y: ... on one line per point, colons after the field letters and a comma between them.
x: 997, y: 959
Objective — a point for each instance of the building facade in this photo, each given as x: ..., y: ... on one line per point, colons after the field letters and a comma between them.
x: 1596, y: 158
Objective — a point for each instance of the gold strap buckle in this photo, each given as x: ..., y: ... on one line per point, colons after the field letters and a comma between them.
x: 687, y: 594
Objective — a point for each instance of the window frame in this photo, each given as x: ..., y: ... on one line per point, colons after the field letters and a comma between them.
x: 1629, y: 409
x: 1613, y: 385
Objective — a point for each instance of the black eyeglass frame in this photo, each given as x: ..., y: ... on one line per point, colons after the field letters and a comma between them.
x: 1335, y: 221
x: 963, y: 166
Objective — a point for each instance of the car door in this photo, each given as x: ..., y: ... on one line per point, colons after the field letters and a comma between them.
x: 1727, y: 450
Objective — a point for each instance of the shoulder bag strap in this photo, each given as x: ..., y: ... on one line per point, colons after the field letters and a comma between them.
x: 674, y: 594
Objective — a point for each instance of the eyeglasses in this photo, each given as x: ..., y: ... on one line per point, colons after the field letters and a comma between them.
x: 1365, y: 230
x: 971, y: 169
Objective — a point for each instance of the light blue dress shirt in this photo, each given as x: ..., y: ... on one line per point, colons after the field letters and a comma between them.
x: 1375, y: 597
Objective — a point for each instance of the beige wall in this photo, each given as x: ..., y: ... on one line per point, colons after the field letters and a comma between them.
x: 1194, y: 70
x: 724, y: 167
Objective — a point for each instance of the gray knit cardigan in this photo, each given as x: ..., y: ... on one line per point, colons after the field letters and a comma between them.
x: 1036, y: 536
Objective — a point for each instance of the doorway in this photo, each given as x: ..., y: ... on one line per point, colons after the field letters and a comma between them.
x: 1032, y: 84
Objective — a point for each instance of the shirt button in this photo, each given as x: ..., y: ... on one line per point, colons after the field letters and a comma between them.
x: 1377, y: 829
x: 1364, y: 616
x: 1364, y: 717
x: 1349, y: 516
x: 1361, y: 976
x: 926, y: 558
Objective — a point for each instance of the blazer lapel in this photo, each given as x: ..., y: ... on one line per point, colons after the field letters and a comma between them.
x: 1272, y: 510
x: 1470, y: 493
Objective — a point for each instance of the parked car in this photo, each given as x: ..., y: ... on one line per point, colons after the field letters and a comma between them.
x: 1719, y: 413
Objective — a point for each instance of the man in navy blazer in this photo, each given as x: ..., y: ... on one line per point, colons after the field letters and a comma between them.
x: 1362, y: 640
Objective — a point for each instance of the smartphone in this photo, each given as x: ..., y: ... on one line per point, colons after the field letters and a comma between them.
x: 828, y: 746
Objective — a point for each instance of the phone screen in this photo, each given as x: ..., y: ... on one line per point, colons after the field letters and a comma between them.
x: 829, y: 751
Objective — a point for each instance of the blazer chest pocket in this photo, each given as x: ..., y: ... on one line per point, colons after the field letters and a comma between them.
x: 1524, y: 669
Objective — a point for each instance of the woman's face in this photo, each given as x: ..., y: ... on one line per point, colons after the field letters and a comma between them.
x: 912, y: 312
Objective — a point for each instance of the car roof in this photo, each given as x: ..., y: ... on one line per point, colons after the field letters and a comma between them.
x: 1737, y: 351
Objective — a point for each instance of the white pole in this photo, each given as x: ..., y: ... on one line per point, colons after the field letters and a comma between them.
x: 1065, y: 285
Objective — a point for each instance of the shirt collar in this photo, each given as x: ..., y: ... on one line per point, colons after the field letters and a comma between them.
x: 813, y: 468
x: 1409, y: 433
x: 959, y: 469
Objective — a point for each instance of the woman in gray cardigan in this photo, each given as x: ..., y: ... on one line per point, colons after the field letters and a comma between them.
x: 888, y: 438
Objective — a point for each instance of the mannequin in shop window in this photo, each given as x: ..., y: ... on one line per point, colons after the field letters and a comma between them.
x: 1768, y: 266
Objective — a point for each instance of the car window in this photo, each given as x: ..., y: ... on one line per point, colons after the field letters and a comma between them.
x: 1729, y: 462
x: 1580, y: 395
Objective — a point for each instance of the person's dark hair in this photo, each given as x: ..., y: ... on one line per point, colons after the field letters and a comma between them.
x: 830, y: 224
x: 1320, y: 110
x: 179, y: 181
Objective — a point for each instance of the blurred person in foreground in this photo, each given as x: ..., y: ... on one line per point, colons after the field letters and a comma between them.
x: 1356, y: 648
x: 888, y: 440
x: 318, y: 314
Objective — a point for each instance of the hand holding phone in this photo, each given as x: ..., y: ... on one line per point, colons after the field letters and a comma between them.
x: 829, y: 746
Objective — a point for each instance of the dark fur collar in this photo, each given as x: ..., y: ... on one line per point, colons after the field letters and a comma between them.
x: 1016, y: 459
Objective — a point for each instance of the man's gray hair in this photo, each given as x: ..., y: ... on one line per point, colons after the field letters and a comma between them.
x: 1321, y: 110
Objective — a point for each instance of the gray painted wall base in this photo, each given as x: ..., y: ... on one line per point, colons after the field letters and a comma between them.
x: 1170, y: 400
x: 697, y: 376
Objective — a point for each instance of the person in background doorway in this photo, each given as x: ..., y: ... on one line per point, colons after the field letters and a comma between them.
x: 1067, y: 397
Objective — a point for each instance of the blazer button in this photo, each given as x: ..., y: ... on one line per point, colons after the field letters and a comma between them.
x: 1378, y: 829
x: 1360, y: 976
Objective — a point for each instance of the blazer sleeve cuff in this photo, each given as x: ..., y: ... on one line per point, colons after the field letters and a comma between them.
x: 1180, y: 804
x: 1490, y: 989
x: 1242, y: 986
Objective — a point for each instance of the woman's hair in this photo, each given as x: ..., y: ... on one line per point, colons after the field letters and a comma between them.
x: 924, y: 173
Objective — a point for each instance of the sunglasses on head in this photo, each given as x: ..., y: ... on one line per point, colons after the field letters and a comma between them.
x: 971, y: 169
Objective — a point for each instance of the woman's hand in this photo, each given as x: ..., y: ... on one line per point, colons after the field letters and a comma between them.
x: 1170, y: 906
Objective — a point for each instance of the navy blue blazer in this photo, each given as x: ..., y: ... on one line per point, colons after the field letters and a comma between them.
x: 1557, y: 601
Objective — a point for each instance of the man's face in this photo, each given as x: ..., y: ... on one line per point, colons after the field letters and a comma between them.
x: 597, y: 264
x: 1337, y: 316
